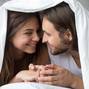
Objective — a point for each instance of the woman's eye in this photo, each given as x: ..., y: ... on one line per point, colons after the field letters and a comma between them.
x: 28, y: 33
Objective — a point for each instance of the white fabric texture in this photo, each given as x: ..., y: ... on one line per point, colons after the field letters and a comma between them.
x: 82, y: 25
x: 31, y: 85
x: 66, y: 61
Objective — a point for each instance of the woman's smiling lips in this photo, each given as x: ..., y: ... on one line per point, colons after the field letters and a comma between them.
x: 32, y: 44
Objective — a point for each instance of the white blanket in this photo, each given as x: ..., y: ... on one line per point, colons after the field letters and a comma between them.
x: 82, y: 25
x: 28, y: 85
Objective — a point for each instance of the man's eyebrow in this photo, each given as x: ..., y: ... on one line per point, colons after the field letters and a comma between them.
x: 46, y: 32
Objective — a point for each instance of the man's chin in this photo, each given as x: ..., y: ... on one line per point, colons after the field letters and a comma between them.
x: 57, y: 52
x: 54, y: 52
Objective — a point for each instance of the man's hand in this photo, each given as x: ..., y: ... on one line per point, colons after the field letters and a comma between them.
x: 55, y: 75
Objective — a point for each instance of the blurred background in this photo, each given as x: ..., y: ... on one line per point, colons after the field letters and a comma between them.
x: 85, y: 3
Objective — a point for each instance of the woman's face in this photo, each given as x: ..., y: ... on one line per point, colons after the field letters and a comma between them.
x: 26, y: 38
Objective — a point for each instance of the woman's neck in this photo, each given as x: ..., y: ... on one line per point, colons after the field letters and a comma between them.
x: 18, y: 55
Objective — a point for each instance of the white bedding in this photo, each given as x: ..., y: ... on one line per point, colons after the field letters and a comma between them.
x: 28, y: 85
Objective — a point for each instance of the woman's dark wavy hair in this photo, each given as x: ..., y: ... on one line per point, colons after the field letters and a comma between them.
x: 10, y: 67
x: 63, y: 18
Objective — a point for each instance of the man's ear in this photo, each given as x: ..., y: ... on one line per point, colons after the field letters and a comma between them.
x: 68, y: 35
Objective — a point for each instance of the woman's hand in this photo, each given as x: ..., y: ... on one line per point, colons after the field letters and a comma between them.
x: 26, y: 76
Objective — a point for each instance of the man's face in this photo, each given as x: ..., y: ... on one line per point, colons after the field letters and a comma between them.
x: 52, y: 37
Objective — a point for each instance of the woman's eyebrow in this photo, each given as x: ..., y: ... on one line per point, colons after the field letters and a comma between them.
x: 28, y: 29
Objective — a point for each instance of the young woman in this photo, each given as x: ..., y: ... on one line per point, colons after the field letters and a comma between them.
x: 23, y: 46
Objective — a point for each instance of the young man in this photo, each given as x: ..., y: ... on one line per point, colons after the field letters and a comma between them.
x: 60, y: 35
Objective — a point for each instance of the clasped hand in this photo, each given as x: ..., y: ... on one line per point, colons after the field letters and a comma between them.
x: 52, y: 74
x: 49, y: 74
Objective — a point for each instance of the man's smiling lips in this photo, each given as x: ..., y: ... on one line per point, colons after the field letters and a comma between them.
x: 50, y: 46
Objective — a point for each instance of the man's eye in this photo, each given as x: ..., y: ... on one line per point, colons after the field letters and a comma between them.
x: 47, y: 34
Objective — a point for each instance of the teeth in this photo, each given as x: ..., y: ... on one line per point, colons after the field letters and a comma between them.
x: 32, y: 45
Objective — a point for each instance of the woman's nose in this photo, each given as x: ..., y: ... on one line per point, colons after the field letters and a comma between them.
x: 36, y: 37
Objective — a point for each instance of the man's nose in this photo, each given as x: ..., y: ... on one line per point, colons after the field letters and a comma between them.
x: 44, y: 39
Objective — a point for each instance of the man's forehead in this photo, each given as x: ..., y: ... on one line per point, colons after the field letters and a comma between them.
x: 48, y: 26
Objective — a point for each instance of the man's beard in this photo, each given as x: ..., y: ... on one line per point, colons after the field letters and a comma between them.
x: 59, y: 51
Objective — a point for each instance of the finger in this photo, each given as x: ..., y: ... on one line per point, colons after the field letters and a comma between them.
x: 47, y: 78
x: 30, y: 79
x: 49, y: 72
x: 53, y: 66
x: 30, y: 64
x: 49, y: 83
x: 32, y: 67
x: 40, y: 67
x: 56, y: 69
x: 50, y: 66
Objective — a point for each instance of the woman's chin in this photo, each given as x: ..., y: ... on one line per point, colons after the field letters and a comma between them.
x: 31, y: 51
